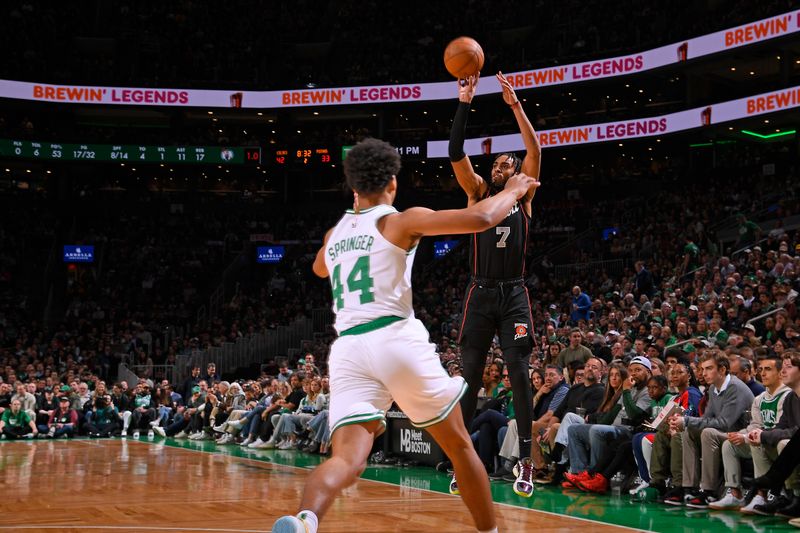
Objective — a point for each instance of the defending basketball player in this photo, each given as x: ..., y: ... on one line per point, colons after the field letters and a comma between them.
x: 496, y: 300
x: 383, y: 353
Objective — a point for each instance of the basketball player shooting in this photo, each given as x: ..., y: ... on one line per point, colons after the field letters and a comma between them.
x: 496, y: 300
x: 383, y: 353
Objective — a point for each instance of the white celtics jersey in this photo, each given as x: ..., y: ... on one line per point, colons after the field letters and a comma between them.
x: 370, y: 277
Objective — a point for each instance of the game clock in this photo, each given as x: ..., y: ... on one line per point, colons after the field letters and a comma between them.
x: 303, y: 156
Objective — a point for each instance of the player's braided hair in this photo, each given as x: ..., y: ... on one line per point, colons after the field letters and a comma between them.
x: 370, y: 166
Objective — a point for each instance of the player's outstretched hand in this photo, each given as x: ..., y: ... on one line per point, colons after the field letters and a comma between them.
x: 467, y: 87
x: 509, y: 96
x: 521, y: 184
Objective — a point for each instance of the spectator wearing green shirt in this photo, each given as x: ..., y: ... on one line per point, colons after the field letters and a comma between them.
x: 16, y: 423
x: 716, y: 334
x: 749, y: 231
x: 691, y: 255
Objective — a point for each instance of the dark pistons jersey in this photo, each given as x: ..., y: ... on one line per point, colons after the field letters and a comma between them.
x: 499, y: 252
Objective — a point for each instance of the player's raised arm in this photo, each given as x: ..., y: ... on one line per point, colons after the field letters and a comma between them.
x: 532, y: 162
x: 473, y: 184
x: 406, y: 228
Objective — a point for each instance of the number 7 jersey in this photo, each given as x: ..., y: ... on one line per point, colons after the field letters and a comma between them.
x: 370, y: 277
x: 499, y: 252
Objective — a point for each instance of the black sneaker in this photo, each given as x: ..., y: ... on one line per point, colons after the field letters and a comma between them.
x: 790, y: 511
x: 674, y: 496
x: 774, y: 503
x: 697, y: 500
x: 445, y: 467
x: 500, y: 473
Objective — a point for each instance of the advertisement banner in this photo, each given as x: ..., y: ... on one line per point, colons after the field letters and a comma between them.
x: 705, y: 45
x: 270, y: 254
x: 80, y: 253
x: 635, y: 128
x: 411, y: 442
x: 442, y: 248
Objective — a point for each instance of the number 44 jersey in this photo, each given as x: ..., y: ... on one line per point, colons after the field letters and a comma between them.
x: 370, y: 276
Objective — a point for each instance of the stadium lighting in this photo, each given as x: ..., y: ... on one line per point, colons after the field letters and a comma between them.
x: 769, y: 135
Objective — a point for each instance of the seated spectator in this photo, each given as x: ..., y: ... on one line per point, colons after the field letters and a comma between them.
x: 124, y: 405
x: 767, y: 409
x: 615, y: 427
x: 27, y: 400
x: 16, y: 423
x: 742, y: 368
x: 729, y: 402
x: 574, y: 352
x: 144, y: 407
x: 775, y: 451
x: 683, y: 387
x: 234, y: 400
x: 63, y: 422
x: 105, y: 419
x: 5, y: 396
x: 46, y: 404
x: 546, y: 400
x: 496, y: 414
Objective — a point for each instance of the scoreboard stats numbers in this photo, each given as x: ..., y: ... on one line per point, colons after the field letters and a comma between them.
x: 217, y: 155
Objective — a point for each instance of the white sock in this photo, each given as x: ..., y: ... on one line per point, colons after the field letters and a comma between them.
x: 311, y: 520
x: 489, y: 531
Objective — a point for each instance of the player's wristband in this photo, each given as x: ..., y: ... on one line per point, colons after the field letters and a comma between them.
x: 515, y: 103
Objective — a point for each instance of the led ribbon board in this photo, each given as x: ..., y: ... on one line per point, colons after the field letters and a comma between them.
x: 698, y: 117
x: 705, y: 45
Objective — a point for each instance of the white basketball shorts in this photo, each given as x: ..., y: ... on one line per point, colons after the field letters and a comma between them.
x: 396, y: 362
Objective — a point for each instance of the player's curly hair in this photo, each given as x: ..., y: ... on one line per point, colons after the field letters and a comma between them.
x: 514, y: 159
x: 370, y: 166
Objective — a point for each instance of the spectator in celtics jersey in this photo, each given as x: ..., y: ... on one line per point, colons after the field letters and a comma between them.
x: 383, y: 353
x: 496, y: 300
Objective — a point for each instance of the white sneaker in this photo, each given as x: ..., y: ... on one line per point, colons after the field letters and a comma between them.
x: 197, y: 435
x: 246, y: 442
x: 454, y: 486
x: 729, y: 501
x: 523, y: 486
x: 160, y: 431
x: 221, y: 428
x: 155, y: 423
x: 758, y: 499
x: 124, y: 433
x: 225, y: 439
x: 285, y: 445
x: 641, y: 486
x: 237, y: 424
x: 289, y: 524
x: 255, y: 444
x: 178, y: 435
x: 29, y: 435
x: 268, y: 445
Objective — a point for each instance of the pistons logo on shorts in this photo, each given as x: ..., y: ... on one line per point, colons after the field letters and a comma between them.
x: 520, y: 330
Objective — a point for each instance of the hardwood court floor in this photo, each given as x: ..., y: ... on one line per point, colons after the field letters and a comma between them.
x: 126, y: 485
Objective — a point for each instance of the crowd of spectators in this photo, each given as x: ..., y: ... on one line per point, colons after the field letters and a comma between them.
x: 612, y: 349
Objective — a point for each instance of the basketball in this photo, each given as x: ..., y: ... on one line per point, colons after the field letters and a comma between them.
x: 463, y: 57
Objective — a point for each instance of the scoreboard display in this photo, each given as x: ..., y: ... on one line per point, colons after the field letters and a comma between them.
x: 216, y: 155
x: 303, y: 156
